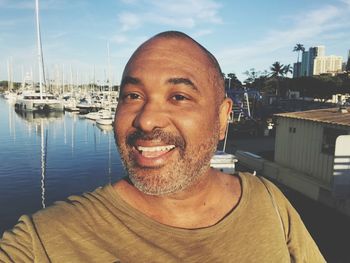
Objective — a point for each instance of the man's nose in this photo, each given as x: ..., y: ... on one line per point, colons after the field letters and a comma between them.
x: 151, y: 116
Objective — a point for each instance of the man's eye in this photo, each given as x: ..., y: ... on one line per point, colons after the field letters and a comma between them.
x: 179, y: 97
x: 132, y: 96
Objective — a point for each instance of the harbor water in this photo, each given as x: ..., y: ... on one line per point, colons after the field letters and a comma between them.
x: 45, y: 158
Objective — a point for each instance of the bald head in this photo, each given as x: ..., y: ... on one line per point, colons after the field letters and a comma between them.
x: 212, y: 66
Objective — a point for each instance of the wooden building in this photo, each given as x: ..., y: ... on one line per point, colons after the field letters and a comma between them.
x: 312, y: 155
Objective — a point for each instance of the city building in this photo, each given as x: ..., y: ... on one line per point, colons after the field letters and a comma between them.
x: 297, y: 70
x: 313, y: 53
x: 327, y: 64
x: 315, y: 62
x: 347, y: 66
x: 305, y: 64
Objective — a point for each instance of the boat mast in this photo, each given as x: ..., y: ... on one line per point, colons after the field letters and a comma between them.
x: 40, y: 51
x: 109, y: 70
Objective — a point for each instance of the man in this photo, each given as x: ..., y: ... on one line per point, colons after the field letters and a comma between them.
x: 173, y: 207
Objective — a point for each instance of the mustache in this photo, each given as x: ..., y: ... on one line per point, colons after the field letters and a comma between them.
x: 165, y: 137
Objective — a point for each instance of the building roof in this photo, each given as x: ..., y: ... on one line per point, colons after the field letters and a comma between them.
x: 329, y: 116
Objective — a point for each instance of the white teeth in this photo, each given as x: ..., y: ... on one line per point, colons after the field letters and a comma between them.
x: 155, y: 148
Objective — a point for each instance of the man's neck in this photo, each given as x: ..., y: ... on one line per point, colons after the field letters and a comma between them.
x: 201, y: 205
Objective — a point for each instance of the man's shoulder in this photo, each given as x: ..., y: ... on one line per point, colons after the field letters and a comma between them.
x: 75, y: 207
x: 259, y: 185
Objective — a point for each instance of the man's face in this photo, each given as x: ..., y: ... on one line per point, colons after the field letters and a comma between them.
x: 167, y: 122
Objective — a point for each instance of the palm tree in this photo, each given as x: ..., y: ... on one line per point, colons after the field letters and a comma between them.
x: 298, y: 48
x: 287, y: 69
x: 277, y: 71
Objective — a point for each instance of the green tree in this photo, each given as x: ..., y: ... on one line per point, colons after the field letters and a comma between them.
x: 233, y: 81
x: 260, y: 82
x: 252, y: 74
x: 319, y: 87
x: 277, y: 70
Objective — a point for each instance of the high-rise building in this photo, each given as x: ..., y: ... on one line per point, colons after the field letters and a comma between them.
x: 327, y: 64
x: 347, y: 66
x: 305, y: 64
x: 313, y: 53
x: 297, y: 70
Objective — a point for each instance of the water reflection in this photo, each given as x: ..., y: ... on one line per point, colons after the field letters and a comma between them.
x: 105, y: 128
x: 37, y: 117
x: 43, y: 162
x: 108, y: 129
x: 49, y: 156
x: 39, y: 120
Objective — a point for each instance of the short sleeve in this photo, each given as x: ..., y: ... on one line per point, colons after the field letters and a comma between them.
x: 22, y: 244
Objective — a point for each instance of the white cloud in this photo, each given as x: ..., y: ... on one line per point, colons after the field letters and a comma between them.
x: 201, y: 33
x: 198, y: 10
x: 347, y: 2
x: 119, y: 39
x: 180, y: 13
x: 129, y: 1
x: 129, y: 21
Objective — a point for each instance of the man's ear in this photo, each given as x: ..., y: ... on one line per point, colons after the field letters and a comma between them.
x: 224, y: 115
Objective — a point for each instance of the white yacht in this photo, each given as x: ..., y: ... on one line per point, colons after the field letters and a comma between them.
x: 30, y: 100
x: 36, y: 101
x: 102, y: 117
x: 70, y: 104
x: 105, y: 118
x: 93, y: 115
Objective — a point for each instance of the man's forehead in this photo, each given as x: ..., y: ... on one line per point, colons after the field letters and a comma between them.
x: 172, y: 47
x: 174, y: 54
x: 168, y: 42
x: 179, y: 57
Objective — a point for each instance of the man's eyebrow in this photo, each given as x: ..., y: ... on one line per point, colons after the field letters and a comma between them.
x: 130, y: 80
x: 185, y: 81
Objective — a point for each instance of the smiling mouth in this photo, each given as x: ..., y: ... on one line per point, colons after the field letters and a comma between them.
x: 154, y: 151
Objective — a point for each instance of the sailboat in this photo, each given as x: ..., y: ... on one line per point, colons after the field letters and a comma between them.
x: 33, y: 100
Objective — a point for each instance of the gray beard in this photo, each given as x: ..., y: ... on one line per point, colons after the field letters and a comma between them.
x: 179, y: 176
x: 190, y: 166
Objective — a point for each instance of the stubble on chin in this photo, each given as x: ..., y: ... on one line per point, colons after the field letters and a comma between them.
x: 189, y: 165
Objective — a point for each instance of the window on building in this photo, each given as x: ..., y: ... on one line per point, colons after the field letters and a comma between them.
x: 330, y: 135
x: 292, y: 129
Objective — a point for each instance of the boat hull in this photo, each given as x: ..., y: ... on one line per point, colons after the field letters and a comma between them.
x: 38, y: 105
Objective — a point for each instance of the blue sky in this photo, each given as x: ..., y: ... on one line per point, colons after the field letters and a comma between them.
x: 241, y: 34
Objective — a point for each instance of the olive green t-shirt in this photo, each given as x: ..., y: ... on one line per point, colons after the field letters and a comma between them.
x: 101, y: 227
